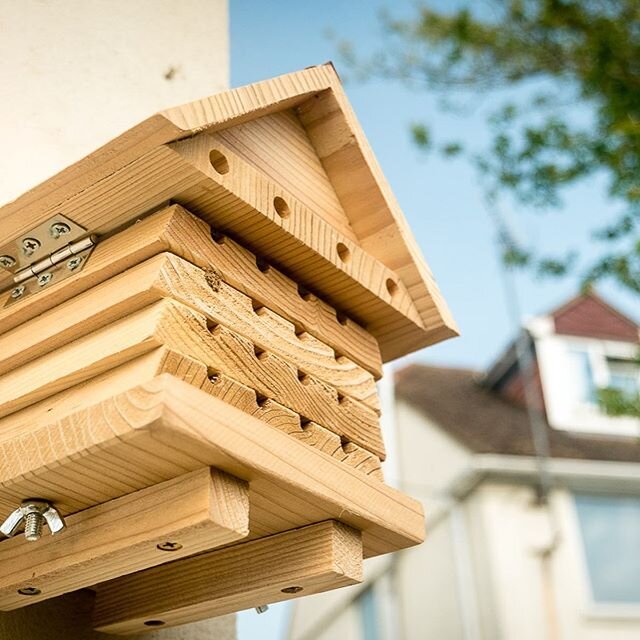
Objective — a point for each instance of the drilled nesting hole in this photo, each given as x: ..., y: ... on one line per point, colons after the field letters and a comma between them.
x: 343, y: 252
x: 154, y: 623
x: 281, y: 207
x: 219, y: 162
x: 392, y: 286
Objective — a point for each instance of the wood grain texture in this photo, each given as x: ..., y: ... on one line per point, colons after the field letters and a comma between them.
x: 123, y: 179
x: 200, y: 511
x: 166, y: 428
x: 242, y: 201
x: 321, y: 557
x: 168, y: 276
x: 174, y: 229
x: 171, y: 324
x: 279, y: 147
x: 266, y: 285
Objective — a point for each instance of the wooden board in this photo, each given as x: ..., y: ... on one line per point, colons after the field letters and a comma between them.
x: 126, y: 171
x: 169, y: 276
x: 145, y: 368
x: 318, y: 558
x: 195, y: 512
x: 165, y: 428
x: 173, y: 229
x: 171, y: 324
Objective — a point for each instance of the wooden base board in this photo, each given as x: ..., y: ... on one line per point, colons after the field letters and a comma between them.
x: 310, y: 560
x: 165, y: 428
x: 198, y: 512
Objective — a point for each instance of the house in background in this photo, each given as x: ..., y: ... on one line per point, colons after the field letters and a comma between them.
x: 499, y: 563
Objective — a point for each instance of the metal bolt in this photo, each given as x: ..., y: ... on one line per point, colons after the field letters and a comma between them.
x: 58, y: 229
x: 169, y: 546
x: 29, y: 591
x: 7, y: 262
x: 30, y: 246
x: 74, y: 263
x: 34, y: 513
x: 17, y: 292
x: 44, y: 279
x: 263, y: 608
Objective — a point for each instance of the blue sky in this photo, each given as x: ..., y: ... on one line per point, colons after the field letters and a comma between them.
x: 442, y: 200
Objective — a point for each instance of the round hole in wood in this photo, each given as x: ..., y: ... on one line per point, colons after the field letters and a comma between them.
x: 292, y: 589
x: 154, y: 623
x: 343, y: 252
x: 29, y: 591
x: 281, y: 207
x: 392, y: 286
x: 341, y: 318
x: 219, y: 162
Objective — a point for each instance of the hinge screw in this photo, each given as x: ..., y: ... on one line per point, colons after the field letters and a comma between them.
x: 74, y: 263
x: 30, y: 246
x: 34, y: 513
x: 17, y: 292
x: 44, y: 279
x: 58, y: 229
x: 262, y: 608
x: 169, y: 546
x: 7, y: 262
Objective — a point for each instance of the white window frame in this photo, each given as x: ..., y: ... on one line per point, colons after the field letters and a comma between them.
x: 593, y: 608
x: 553, y: 352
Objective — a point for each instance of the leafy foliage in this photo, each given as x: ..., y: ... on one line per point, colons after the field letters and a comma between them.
x: 567, y: 58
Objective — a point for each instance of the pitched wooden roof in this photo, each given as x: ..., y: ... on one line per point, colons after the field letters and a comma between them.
x: 326, y: 168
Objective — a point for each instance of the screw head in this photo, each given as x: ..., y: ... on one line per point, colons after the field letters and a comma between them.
x: 30, y: 246
x: 291, y: 589
x: 169, y: 546
x: 58, y: 229
x: 263, y: 608
x: 74, y: 263
x: 44, y: 279
x: 29, y: 591
x: 7, y: 261
x: 18, y: 292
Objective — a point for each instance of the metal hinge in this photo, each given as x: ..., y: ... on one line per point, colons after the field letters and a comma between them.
x: 51, y: 252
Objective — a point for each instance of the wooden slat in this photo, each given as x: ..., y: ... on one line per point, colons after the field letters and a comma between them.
x: 169, y: 276
x: 175, y: 230
x: 165, y: 428
x: 199, y: 511
x: 223, y: 351
x: 311, y: 560
x: 242, y: 201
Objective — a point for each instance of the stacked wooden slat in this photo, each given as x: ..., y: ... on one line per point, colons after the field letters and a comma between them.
x: 209, y: 377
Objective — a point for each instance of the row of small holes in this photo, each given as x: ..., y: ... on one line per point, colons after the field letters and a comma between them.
x: 220, y: 164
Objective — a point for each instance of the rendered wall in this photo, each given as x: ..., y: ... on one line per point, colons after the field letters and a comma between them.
x: 74, y: 74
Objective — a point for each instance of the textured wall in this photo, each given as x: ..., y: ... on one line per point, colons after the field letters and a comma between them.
x: 76, y: 73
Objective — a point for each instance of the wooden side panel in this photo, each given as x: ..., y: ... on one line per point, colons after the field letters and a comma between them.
x: 278, y: 146
x: 373, y: 211
x: 196, y: 512
x: 318, y: 558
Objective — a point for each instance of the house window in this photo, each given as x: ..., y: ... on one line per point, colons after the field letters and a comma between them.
x: 369, y: 615
x: 623, y: 375
x: 585, y: 386
x: 610, y: 529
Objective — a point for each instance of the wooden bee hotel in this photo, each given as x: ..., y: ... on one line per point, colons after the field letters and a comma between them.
x: 192, y: 322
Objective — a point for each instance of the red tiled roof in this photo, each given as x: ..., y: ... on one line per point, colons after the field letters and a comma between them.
x: 486, y: 422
